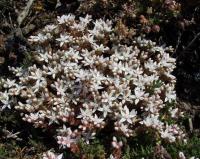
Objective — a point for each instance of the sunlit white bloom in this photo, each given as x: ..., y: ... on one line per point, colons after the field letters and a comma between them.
x: 170, y: 95
x: 40, y: 80
x: 52, y: 118
x: 86, y: 114
x: 89, y: 38
x: 65, y: 18
x: 126, y: 96
x: 174, y: 112
x: 72, y: 54
x: 97, y: 76
x: 49, y: 28
x: 122, y: 53
x: 108, y: 98
x: 53, y: 71
x: 64, y: 38
x: 124, y: 128
x: 152, y: 121
x: 101, y: 27
x: 44, y: 56
x: 38, y: 38
x: 66, y: 141
x: 100, y: 47
x: 105, y: 109
x: 151, y: 65
x: 140, y: 82
x: 5, y: 100
x: 9, y: 83
x: 84, y: 21
x: 97, y: 120
x: 82, y: 24
x: 167, y: 135
x: 127, y: 116
x: 139, y: 95
x: 60, y: 87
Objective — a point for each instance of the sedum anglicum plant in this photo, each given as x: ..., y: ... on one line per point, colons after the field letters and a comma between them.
x: 83, y: 80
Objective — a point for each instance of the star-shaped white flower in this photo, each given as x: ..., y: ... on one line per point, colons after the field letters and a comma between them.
x: 127, y: 116
x: 64, y: 38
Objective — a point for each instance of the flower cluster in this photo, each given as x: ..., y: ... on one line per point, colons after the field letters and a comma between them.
x: 83, y: 80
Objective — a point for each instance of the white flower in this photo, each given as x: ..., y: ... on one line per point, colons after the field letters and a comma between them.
x: 36, y: 75
x: 124, y: 128
x: 168, y: 135
x: 140, y: 82
x: 108, y: 98
x: 16, y: 90
x: 52, y: 71
x: 127, y: 116
x: 5, y: 100
x: 64, y: 38
x: 170, y: 96
x: 72, y: 54
x: 97, y: 76
x: 95, y: 86
x: 65, y: 18
x: 152, y: 121
x: 139, y: 95
x: 86, y: 114
x: 49, y: 28
x: 100, y: 47
x: 173, y: 112
x: 102, y: 25
x: 151, y: 65
x: 96, y: 120
x: 84, y: 21
x: 44, y: 56
x: 126, y: 96
x: 105, y: 109
x: 60, y: 87
x: 65, y: 141
x: 89, y: 38
x: 181, y: 155
x: 40, y: 80
x: 38, y: 38
x: 9, y: 83
x: 52, y: 118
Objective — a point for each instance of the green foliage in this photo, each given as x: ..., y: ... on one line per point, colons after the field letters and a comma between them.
x: 138, y: 152
x: 94, y: 150
x: 191, y: 148
x: 27, y: 60
x: 155, y: 84
x: 3, y: 152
